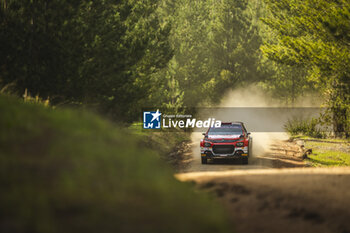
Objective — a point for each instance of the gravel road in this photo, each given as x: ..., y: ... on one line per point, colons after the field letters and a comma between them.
x: 276, y: 192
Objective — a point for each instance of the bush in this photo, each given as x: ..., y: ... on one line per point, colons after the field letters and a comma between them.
x: 69, y: 171
x: 308, y: 127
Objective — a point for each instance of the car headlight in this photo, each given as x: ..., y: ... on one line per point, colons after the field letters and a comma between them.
x: 207, y: 144
x: 239, y: 144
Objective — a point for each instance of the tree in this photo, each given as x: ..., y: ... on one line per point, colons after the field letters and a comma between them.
x: 39, y: 47
x: 234, y: 43
x: 122, y: 54
x: 216, y: 47
x: 99, y: 54
x: 315, y: 35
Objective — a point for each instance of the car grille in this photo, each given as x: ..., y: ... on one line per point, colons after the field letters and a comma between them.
x: 223, y: 140
x: 223, y: 149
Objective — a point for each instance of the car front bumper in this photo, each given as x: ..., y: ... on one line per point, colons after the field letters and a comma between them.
x: 238, y: 152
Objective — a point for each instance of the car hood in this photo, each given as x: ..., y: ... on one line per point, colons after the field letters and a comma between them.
x: 231, y: 136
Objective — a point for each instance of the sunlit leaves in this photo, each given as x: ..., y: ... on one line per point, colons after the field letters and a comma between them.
x: 315, y: 34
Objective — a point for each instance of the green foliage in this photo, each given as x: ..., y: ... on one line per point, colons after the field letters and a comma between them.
x: 119, y: 56
x: 288, y: 83
x: 96, y: 53
x: 39, y: 46
x: 308, y: 127
x: 66, y: 171
x: 314, y: 34
x: 216, y: 47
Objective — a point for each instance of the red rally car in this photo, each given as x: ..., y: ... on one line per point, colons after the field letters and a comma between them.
x: 230, y: 140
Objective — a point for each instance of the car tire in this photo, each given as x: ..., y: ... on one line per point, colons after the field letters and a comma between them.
x: 245, y: 160
x: 204, y: 160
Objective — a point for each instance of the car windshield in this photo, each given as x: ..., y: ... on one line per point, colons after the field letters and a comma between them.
x: 225, y: 130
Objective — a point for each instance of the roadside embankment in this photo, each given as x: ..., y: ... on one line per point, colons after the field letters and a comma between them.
x: 71, y: 171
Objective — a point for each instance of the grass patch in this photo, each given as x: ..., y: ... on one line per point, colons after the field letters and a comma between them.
x: 329, y: 158
x: 70, y: 171
x: 328, y: 152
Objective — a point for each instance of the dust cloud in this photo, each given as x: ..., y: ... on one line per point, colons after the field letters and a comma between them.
x: 254, y: 97
x: 250, y: 105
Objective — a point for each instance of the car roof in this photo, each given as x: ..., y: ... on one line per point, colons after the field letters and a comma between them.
x: 227, y: 124
x: 232, y: 123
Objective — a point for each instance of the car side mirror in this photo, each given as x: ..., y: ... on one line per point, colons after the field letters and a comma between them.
x: 203, y: 134
x: 248, y: 133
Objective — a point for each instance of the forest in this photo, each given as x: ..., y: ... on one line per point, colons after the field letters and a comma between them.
x: 116, y: 57
x: 76, y: 78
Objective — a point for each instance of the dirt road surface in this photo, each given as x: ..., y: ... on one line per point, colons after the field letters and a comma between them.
x: 276, y: 192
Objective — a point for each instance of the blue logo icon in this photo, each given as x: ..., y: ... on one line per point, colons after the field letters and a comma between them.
x: 151, y: 120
